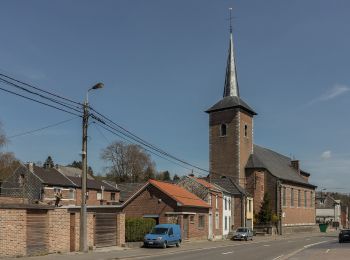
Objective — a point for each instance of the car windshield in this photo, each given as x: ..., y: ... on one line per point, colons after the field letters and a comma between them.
x: 242, y: 230
x: 159, y: 231
x: 345, y: 232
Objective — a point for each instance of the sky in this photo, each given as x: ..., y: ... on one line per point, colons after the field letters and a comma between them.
x: 163, y: 63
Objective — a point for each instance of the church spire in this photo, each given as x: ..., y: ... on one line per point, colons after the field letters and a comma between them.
x: 231, y: 84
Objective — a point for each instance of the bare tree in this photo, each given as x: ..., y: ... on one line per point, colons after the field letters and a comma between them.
x: 127, y: 162
x: 8, y: 160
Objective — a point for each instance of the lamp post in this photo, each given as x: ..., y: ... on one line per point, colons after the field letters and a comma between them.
x: 83, y: 218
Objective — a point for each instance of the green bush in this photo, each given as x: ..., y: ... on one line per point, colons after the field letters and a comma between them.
x: 137, y: 228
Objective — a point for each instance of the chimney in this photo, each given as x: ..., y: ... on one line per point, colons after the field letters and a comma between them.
x: 31, y: 166
x: 295, y: 165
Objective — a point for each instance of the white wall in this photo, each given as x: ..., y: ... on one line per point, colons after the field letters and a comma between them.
x: 226, y: 214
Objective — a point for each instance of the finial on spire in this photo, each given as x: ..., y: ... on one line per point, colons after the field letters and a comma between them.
x: 231, y: 84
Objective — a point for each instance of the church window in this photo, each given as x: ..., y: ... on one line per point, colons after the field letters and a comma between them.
x: 223, y: 130
x: 245, y: 130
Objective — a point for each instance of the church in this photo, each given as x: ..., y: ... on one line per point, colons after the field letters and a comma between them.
x: 258, y: 170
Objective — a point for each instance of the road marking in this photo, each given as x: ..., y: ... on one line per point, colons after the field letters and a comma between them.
x: 227, y: 253
x: 307, y: 239
x: 267, y: 245
x: 327, y: 251
x: 278, y: 257
x: 314, y: 244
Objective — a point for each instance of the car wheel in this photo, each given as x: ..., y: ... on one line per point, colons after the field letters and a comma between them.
x: 340, y: 241
x: 164, y: 244
x: 178, y: 244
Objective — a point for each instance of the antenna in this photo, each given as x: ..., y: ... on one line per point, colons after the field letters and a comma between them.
x: 230, y: 20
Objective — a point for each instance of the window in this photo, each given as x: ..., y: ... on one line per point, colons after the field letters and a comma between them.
x: 292, y: 197
x: 209, y: 199
x: 250, y: 205
x: 311, y: 199
x: 201, y: 221
x: 217, y: 224
x: 305, y: 198
x: 216, y: 202
x: 112, y: 196
x: 225, y: 222
x: 170, y: 233
x: 99, y: 195
x: 299, y: 198
x: 245, y: 130
x: 284, y: 196
x: 71, y: 194
x: 229, y: 204
x: 225, y: 204
x: 191, y: 219
x: 223, y: 130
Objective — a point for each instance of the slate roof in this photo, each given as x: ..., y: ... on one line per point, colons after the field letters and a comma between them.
x: 93, y: 184
x: 228, y: 185
x: 207, y: 184
x: 328, y: 202
x: 51, y: 176
x: 231, y: 102
x: 179, y: 194
x: 277, y: 164
x: 71, y: 171
x: 128, y: 189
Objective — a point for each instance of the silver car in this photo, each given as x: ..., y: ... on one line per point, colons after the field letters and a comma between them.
x: 243, y: 233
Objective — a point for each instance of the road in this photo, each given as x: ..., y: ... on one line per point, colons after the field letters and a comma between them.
x: 292, y: 247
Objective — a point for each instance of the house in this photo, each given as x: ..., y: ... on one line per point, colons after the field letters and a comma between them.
x: 242, y: 203
x: 344, y: 216
x: 256, y: 169
x: 39, y: 185
x: 328, y: 210
x: 170, y: 203
x: 216, y: 199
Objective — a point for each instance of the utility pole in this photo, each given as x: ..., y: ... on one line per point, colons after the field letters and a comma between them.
x: 83, y: 212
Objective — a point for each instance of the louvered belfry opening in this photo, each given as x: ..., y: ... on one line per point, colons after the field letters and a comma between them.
x: 105, y: 229
x: 37, y: 232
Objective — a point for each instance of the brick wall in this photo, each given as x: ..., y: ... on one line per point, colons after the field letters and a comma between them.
x: 59, y: 230
x: 120, y: 229
x: 12, y: 232
x: 237, y: 218
x: 246, y: 144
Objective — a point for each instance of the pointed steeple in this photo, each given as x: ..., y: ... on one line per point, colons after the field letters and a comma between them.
x: 231, y: 83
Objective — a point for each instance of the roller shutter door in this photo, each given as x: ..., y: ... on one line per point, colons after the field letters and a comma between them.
x: 37, y: 232
x: 105, y: 229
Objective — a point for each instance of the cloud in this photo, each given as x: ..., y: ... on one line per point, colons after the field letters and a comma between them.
x: 326, y: 155
x: 335, y: 91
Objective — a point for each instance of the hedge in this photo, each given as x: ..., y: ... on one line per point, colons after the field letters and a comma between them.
x: 137, y: 228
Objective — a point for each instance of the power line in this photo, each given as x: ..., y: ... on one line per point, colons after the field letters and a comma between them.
x: 40, y: 95
x: 40, y: 102
x: 45, y: 91
x: 42, y: 128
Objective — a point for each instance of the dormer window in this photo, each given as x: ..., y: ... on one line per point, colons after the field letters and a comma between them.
x: 223, y: 130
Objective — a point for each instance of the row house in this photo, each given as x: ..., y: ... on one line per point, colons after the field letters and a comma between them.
x: 168, y: 203
x: 40, y: 185
x: 216, y: 198
x: 328, y: 210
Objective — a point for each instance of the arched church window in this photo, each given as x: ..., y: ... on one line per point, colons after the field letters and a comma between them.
x: 223, y: 130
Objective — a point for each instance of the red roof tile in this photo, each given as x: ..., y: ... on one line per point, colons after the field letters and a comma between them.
x: 179, y: 194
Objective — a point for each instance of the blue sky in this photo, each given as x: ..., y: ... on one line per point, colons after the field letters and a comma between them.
x: 163, y: 64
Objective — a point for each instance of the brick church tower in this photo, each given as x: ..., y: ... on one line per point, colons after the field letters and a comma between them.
x: 230, y: 128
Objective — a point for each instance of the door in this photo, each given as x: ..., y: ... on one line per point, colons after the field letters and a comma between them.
x: 105, y: 229
x: 210, y: 224
x: 72, y: 232
x: 37, y: 232
x: 185, y: 233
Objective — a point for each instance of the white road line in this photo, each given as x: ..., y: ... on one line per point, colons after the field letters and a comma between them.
x: 227, y: 253
x: 327, y: 251
x: 267, y: 245
x: 278, y: 257
x: 314, y: 244
x: 307, y: 239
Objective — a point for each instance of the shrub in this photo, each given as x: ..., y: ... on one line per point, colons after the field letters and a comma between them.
x: 137, y: 228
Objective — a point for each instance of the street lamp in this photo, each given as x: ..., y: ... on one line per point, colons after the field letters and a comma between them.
x: 83, y: 218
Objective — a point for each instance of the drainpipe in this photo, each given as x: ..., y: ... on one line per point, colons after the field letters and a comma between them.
x: 279, y: 206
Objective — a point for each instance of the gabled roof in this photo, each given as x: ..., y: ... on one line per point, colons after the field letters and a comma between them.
x: 51, y: 176
x: 229, y: 185
x: 93, y: 184
x: 277, y: 164
x: 208, y: 185
x: 328, y: 201
x: 179, y: 194
x: 128, y: 189
x: 231, y: 102
x: 71, y: 171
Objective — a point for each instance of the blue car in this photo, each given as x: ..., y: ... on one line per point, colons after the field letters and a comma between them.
x: 163, y: 235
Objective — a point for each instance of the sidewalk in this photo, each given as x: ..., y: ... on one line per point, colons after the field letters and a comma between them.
x: 124, y: 253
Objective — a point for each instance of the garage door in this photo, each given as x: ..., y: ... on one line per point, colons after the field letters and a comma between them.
x: 37, y: 242
x: 105, y: 229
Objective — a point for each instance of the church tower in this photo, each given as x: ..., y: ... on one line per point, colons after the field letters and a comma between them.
x: 230, y: 127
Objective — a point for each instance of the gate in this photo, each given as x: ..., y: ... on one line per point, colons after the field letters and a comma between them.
x: 105, y: 229
x: 37, y: 232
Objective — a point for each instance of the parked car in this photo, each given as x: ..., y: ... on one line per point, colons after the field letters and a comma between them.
x: 243, y: 233
x: 163, y: 235
x: 344, y: 235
